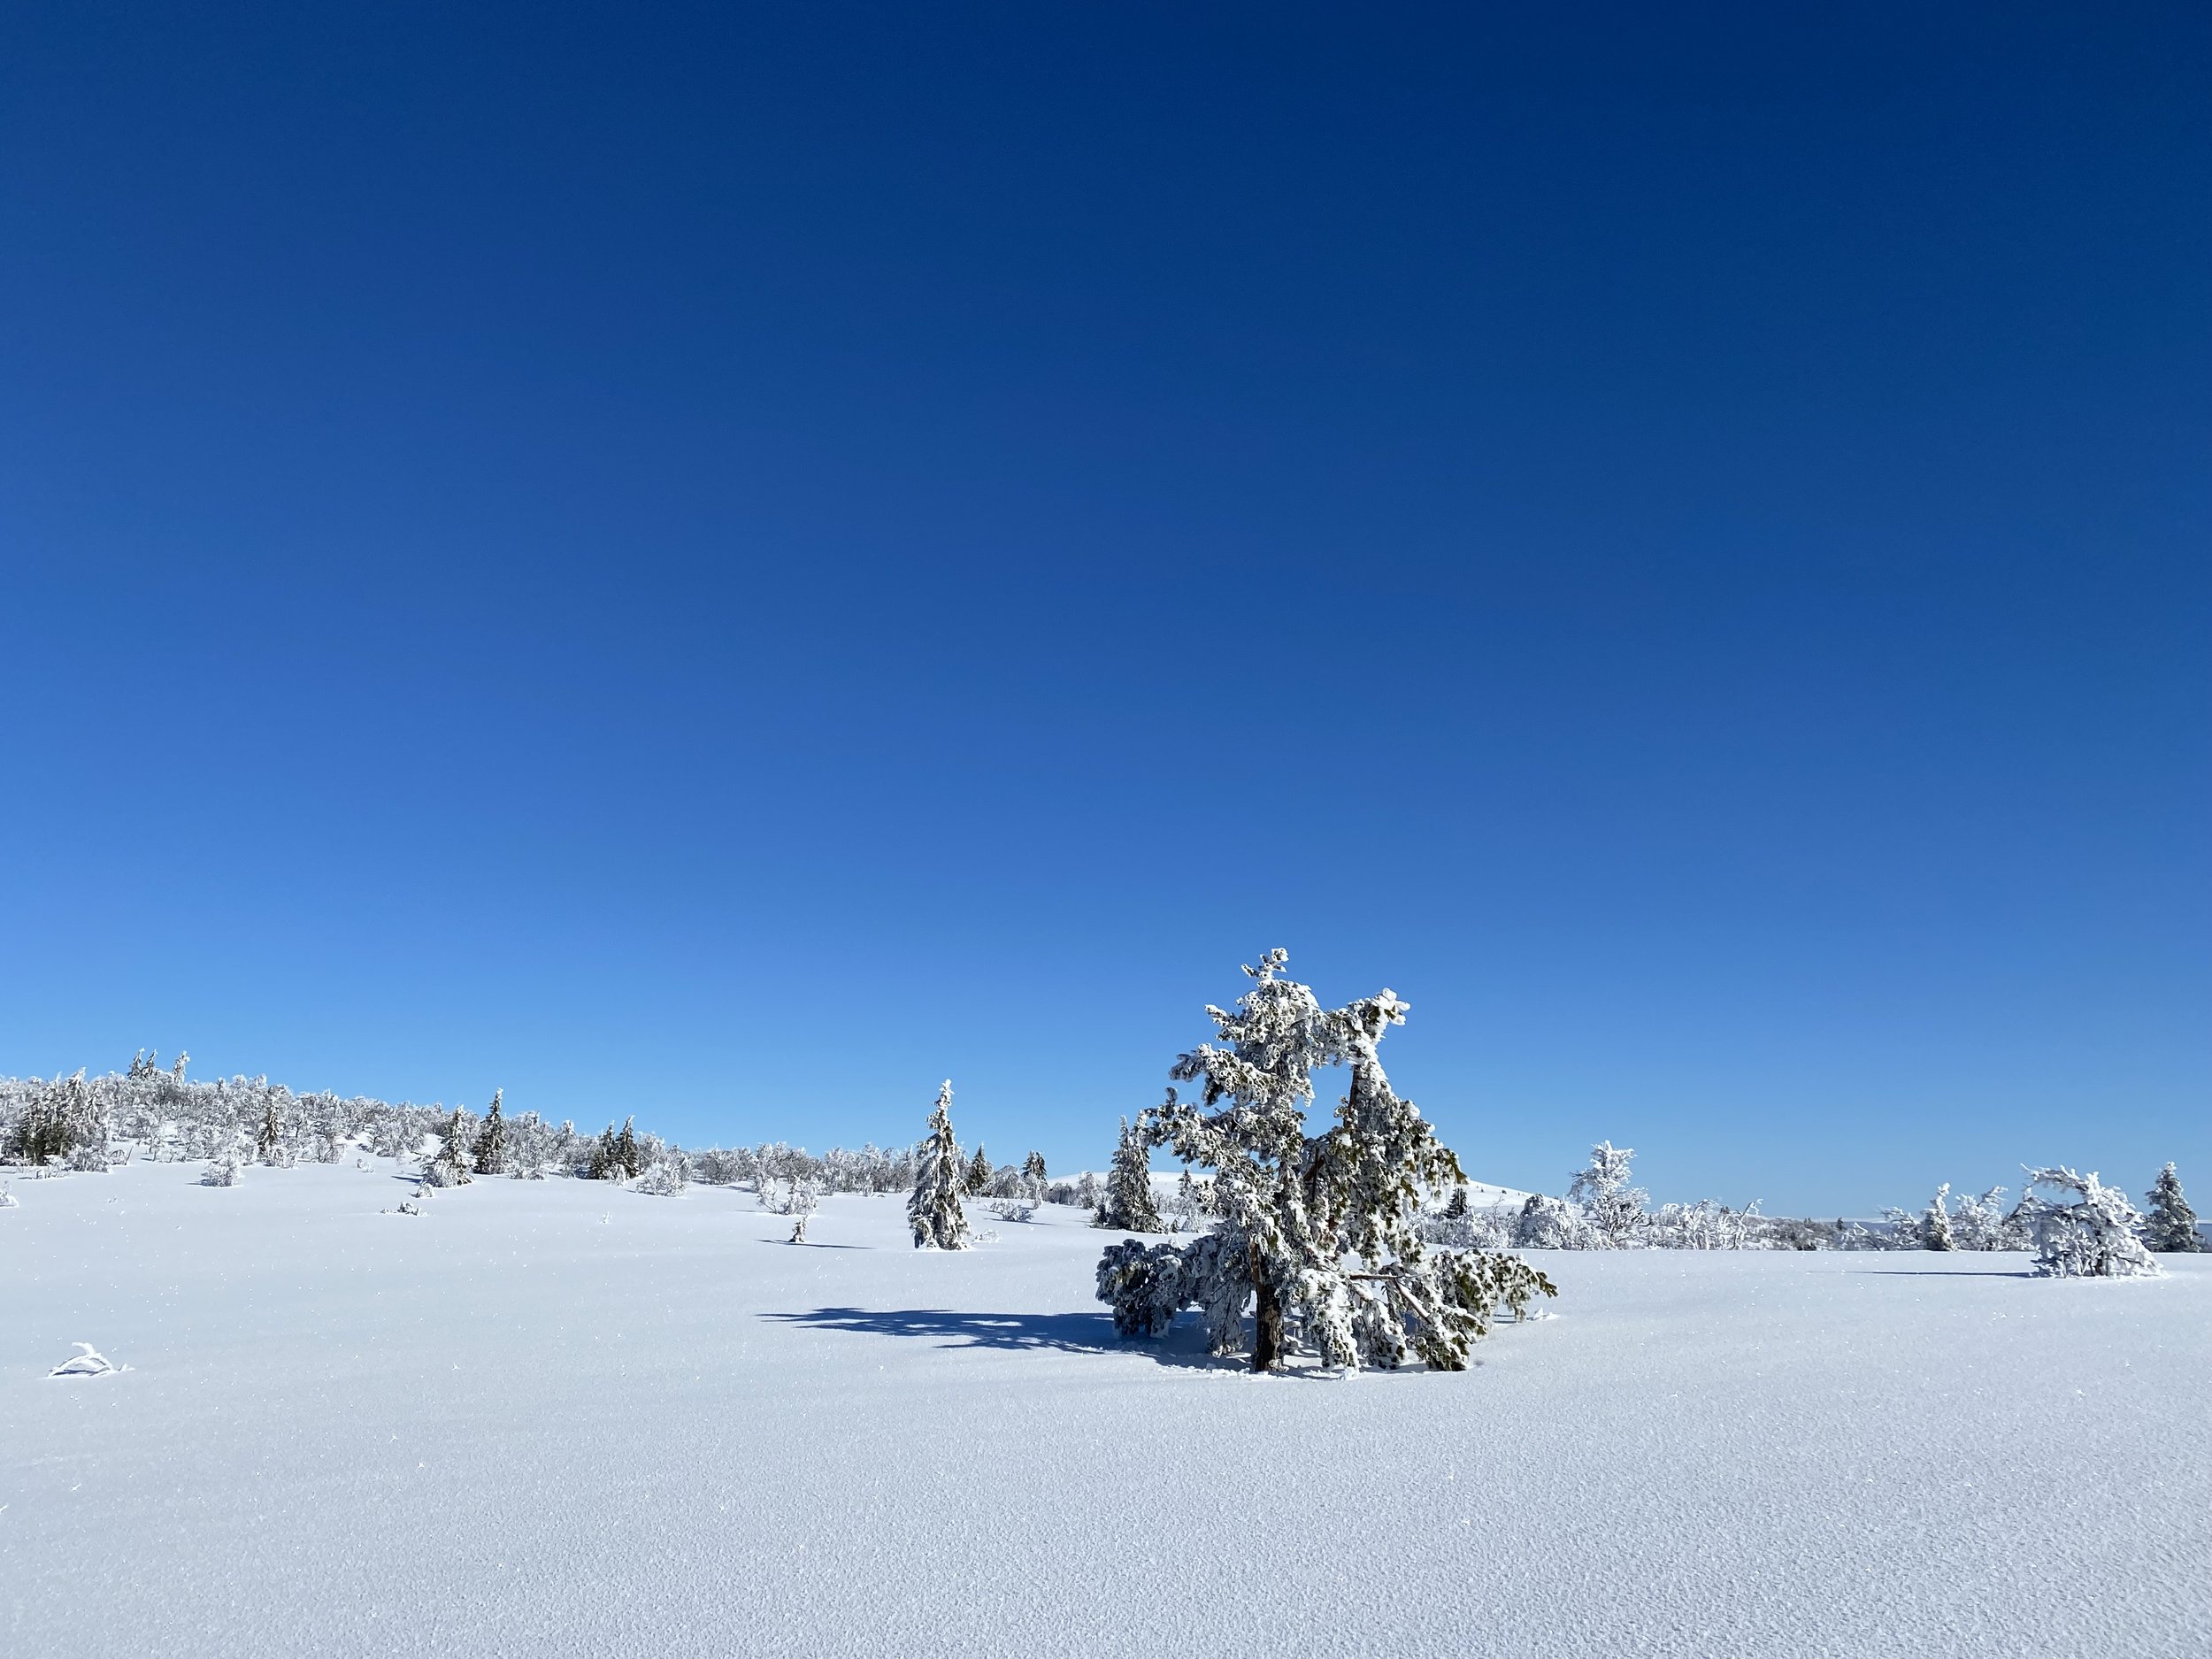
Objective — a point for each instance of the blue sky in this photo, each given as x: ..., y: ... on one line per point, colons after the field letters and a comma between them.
x: 728, y: 563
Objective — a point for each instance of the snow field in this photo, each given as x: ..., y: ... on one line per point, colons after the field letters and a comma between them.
x: 559, y: 1416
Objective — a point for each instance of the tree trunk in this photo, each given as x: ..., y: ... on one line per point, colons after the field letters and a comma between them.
x: 1267, y: 1322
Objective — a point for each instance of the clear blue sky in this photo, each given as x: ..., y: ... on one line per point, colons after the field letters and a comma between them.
x: 729, y: 564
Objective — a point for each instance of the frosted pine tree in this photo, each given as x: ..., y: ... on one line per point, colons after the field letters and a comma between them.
x: 979, y: 1176
x: 1602, y: 1193
x: 939, y: 1179
x: 1298, y: 1210
x: 626, y: 1150
x: 1455, y: 1208
x: 268, y: 1145
x: 491, y: 1140
x: 2094, y: 1237
x: 448, y: 1166
x: 1129, y: 1202
x: 1033, y: 1178
x: 2170, y: 1226
x: 1935, y: 1221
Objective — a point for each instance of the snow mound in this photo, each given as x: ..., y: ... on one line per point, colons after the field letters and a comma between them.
x: 89, y: 1363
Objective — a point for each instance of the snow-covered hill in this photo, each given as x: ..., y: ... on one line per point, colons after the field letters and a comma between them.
x: 559, y: 1418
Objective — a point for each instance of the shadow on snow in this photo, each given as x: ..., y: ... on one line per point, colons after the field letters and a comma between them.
x: 1053, y: 1332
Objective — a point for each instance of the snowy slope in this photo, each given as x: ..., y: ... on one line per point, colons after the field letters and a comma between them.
x: 559, y: 1418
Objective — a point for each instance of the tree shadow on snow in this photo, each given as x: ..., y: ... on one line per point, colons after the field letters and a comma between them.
x: 1936, y: 1272
x: 1054, y: 1333
x: 813, y: 1244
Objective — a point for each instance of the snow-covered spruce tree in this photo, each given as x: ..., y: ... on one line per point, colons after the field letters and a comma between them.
x: 2094, y: 1237
x: 626, y: 1150
x: 1456, y: 1207
x: 1034, y: 1180
x: 940, y: 1179
x: 268, y: 1145
x: 1129, y: 1205
x: 491, y: 1140
x: 1613, y: 1208
x: 1935, y: 1221
x: 2171, y: 1226
x: 603, y: 1164
x: 979, y: 1176
x: 1298, y: 1210
x: 448, y: 1166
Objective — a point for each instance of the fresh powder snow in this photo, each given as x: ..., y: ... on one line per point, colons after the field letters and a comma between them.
x: 560, y: 1417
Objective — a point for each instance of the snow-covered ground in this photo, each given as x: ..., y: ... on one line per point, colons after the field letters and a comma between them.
x: 556, y: 1418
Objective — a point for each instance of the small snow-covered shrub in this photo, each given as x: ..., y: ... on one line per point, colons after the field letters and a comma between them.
x: 2092, y: 1237
x: 1014, y: 1210
x: 224, y: 1169
x: 1979, y: 1223
x: 7, y: 1198
x: 1706, y: 1224
x: 1468, y: 1230
x: 1553, y: 1224
x: 664, y: 1179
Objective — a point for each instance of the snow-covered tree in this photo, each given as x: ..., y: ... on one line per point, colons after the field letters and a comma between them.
x: 1183, y: 1209
x: 978, y: 1179
x: 448, y: 1166
x: 2092, y: 1237
x: 1935, y: 1221
x: 804, y: 1200
x: 626, y: 1150
x: 1456, y: 1207
x: 491, y: 1140
x: 2171, y: 1226
x: 269, y: 1143
x: 1553, y: 1224
x: 939, y: 1180
x: 1613, y: 1208
x: 1129, y: 1205
x: 1979, y: 1223
x: 226, y: 1168
x: 605, y: 1164
x: 1298, y: 1210
x: 1033, y: 1178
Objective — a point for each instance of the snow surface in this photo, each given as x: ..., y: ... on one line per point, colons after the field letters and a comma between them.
x: 559, y: 1418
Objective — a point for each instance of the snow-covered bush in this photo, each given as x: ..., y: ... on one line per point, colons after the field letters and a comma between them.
x: 1980, y: 1223
x: 2090, y: 1237
x: 800, y: 1204
x: 1553, y: 1224
x: 668, y: 1178
x: 1320, y: 1233
x: 1706, y: 1224
x: 2171, y: 1226
x: 1935, y: 1221
x: 940, y: 1181
x: 1014, y: 1210
x: 224, y: 1169
x: 1468, y: 1230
